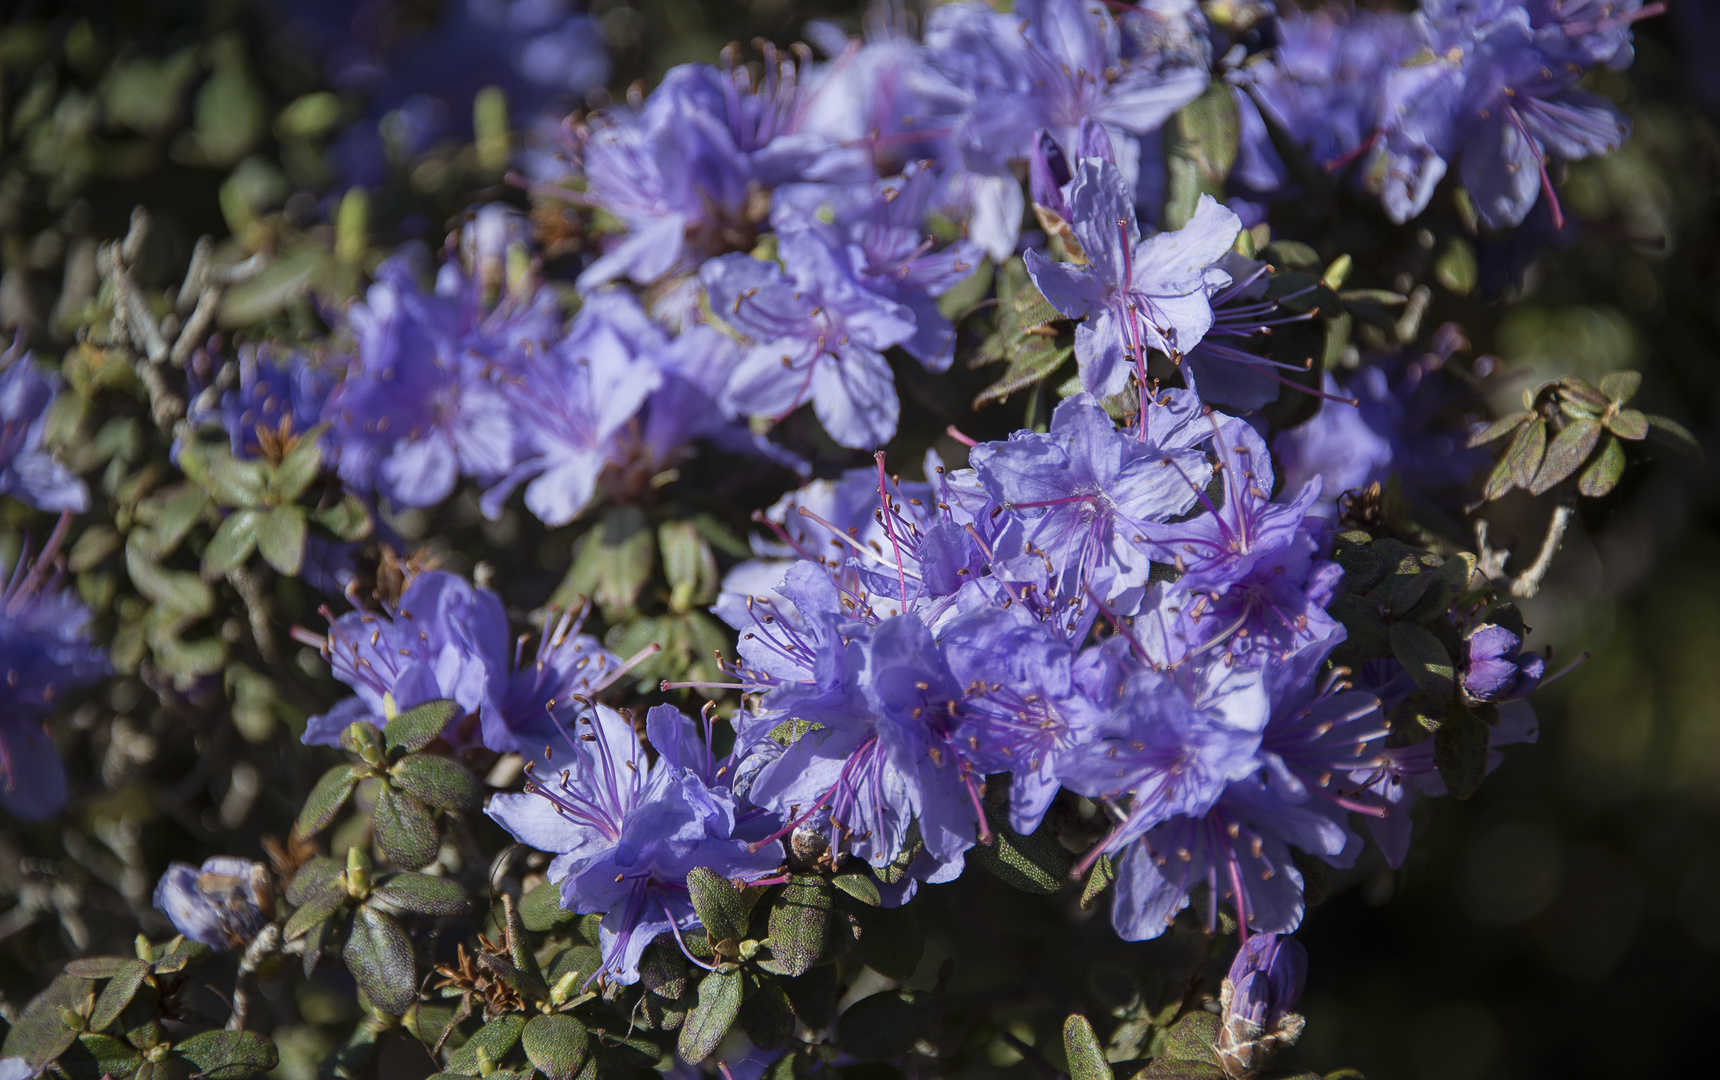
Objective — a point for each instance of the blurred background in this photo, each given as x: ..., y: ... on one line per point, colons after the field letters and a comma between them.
x: 1564, y: 922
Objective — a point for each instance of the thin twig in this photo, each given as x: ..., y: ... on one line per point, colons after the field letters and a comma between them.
x: 266, y: 941
x: 1491, y: 561
x: 257, y: 608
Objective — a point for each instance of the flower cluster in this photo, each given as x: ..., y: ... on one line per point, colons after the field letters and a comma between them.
x: 1486, y: 86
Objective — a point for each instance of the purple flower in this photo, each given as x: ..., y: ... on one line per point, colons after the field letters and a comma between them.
x: 448, y: 639
x: 223, y: 903
x: 1265, y: 979
x: 1226, y: 374
x: 1052, y: 64
x: 817, y: 334
x: 27, y: 471
x: 1080, y: 496
x: 1133, y: 294
x: 279, y: 399
x: 625, y: 833
x: 45, y: 650
x: 1496, y: 670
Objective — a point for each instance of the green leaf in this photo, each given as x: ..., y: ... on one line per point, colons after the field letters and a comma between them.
x: 98, y: 967
x: 38, y: 1035
x: 1366, y: 635
x: 1566, y: 453
x: 541, y: 910
x: 688, y: 564
x: 708, y: 1022
x: 379, y: 955
x: 117, y: 994
x: 1601, y: 474
x: 719, y: 907
x: 813, y: 995
x: 1032, y: 361
x: 313, y: 912
x: 439, y: 782
x: 178, y: 592
x: 662, y: 968
x: 94, y: 1056
x: 237, y: 483
x: 299, y: 467
x: 860, y: 886
x: 1620, y: 386
x: 1035, y: 864
x: 405, y: 830
x: 557, y: 1045
x: 495, y: 1039
x: 421, y: 894
x: 799, y: 924
x: 767, y: 1018
x: 1460, y: 751
x: 1499, y: 428
x: 1098, y: 880
x: 315, y: 876
x: 1628, y: 424
x: 1081, y: 1047
x: 891, y: 940
x: 886, y: 1025
x: 968, y: 293
x: 347, y: 519
x: 326, y: 799
x: 176, y: 512
x: 281, y: 539
x: 419, y: 726
x: 626, y: 555
x: 228, y: 1055
x: 232, y: 543
x: 1425, y: 658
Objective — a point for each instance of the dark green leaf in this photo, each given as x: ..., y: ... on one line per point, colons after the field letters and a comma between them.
x: 117, y: 994
x: 1599, y: 476
x: 232, y: 543
x: 885, y: 1025
x: 662, y: 968
x: 541, y: 910
x: 688, y: 564
x: 1035, y: 864
x: 968, y: 293
x: 1446, y: 583
x: 39, y: 1035
x: 860, y: 886
x: 419, y: 726
x: 94, y: 1056
x: 582, y: 960
x: 891, y: 940
x: 1367, y: 637
x: 1577, y: 391
x: 1620, y: 386
x: 178, y: 592
x: 813, y: 996
x: 228, y: 1055
x: 315, y: 876
x: 98, y: 967
x: 1460, y: 751
x: 347, y: 519
x: 1456, y: 268
x: 405, y: 830
x: 237, y: 483
x: 439, y: 782
x: 557, y: 1045
x: 626, y: 554
x: 281, y: 539
x: 1674, y: 436
x: 1566, y: 453
x: 326, y: 799
x: 719, y: 907
x: 1175, y: 1069
x: 421, y: 894
x: 1425, y: 658
x: 799, y: 924
x: 1522, y: 460
x: 379, y: 955
x: 1081, y: 1047
x: 767, y: 1018
x: 316, y: 908
x: 495, y: 1039
x: 179, y: 954
x: 1032, y: 360
x: 708, y: 1022
x: 1193, y: 1038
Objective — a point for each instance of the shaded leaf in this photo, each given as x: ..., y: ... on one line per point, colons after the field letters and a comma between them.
x: 422, y: 894
x: 232, y: 543
x: 1460, y: 751
x: 766, y: 1017
x: 1425, y: 658
x: 315, y: 910
x: 541, y: 910
x: 1674, y: 436
x: 1193, y: 1038
x: 1499, y: 428
x: 299, y: 467
x: 281, y: 539
x: 891, y: 940
x: 495, y: 1039
x: 813, y: 996
x: 1566, y: 453
x: 1521, y: 462
x: 860, y: 886
x: 117, y: 994
x: 557, y: 1045
x: 1035, y: 864
x: 1620, y: 386
x: 1098, y: 880
x: 1599, y: 476
x: 1445, y: 584
x: 662, y: 968
x: 886, y: 1025
x: 228, y: 1055
x: 405, y: 830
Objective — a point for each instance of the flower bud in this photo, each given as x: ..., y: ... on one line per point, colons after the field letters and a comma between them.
x: 1264, y: 982
x: 1496, y: 670
x: 223, y: 903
